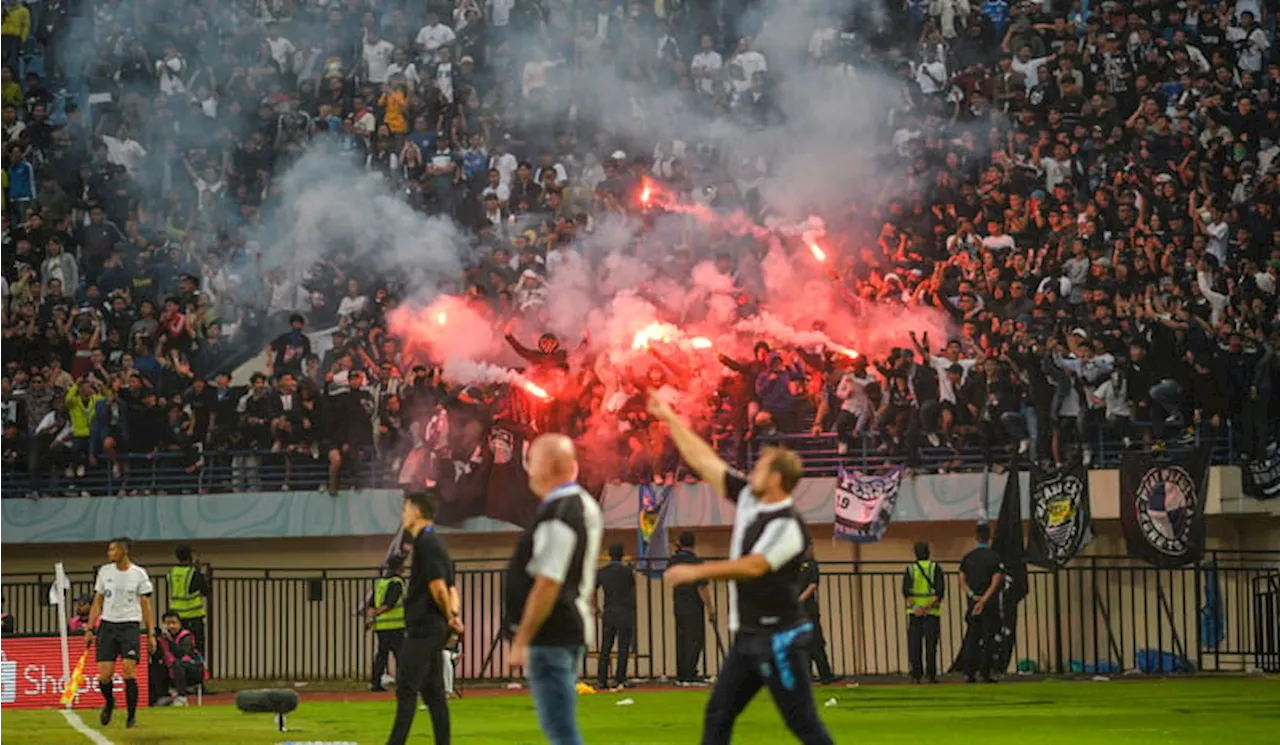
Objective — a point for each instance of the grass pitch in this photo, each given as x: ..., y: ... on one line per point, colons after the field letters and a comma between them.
x: 1194, y: 711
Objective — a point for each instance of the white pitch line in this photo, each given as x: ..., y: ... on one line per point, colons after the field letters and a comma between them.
x: 77, y: 724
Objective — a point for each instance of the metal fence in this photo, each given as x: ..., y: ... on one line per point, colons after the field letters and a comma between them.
x: 1099, y: 614
x: 233, y: 471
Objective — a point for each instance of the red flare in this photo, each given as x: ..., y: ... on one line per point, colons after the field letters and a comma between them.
x: 441, y: 318
x: 847, y: 352
x: 655, y: 331
x: 535, y: 389
x: 700, y: 342
x: 816, y: 250
x: 646, y: 194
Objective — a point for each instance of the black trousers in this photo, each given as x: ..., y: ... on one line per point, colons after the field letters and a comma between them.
x: 389, y: 641
x: 923, y: 633
x: 624, y: 635
x: 980, y: 647
x: 779, y: 662
x: 818, y: 651
x: 421, y: 670
x: 196, y: 627
x: 691, y: 639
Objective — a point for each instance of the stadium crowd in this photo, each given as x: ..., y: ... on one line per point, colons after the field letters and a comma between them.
x: 1088, y: 191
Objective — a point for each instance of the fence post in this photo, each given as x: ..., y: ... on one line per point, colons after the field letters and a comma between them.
x: 1057, y: 624
x: 1199, y: 609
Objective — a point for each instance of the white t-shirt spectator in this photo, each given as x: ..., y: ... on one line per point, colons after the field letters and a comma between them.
x: 705, y: 66
x: 1252, y: 46
x: 408, y: 70
x: 998, y: 242
x: 1055, y: 172
x: 946, y: 391
x: 128, y: 153
x: 506, y: 164
x: 431, y: 38
x: 281, y: 51
x: 377, y: 60
x: 501, y: 191
x: 1216, y: 234
x: 351, y: 305
x: 931, y: 77
x: 750, y: 62
x: 1028, y: 69
x: 121, y: 592
x: 500, y: 12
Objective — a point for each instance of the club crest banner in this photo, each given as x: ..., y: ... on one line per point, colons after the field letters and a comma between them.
x: 864, y: 504
x: 1061, y: 522
x: 1162, y: 507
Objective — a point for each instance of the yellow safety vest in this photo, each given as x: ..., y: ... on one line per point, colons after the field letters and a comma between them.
x: 394, y: 618
x: 182, y: 600
x: 922, y: 591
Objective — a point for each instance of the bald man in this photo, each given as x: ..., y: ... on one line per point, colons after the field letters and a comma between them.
x: 549, y: 584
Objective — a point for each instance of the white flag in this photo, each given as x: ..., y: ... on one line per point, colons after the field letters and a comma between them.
x: 58, y: 590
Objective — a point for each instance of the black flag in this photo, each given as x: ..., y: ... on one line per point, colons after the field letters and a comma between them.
x: 1061, y: 523
x: 1007, y: 542
x: 1262, y: 475
x: 1162, y: 507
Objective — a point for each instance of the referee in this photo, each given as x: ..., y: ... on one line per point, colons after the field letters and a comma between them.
x: 121, y: 609
x: 766, y: 552
x: 429, y: 616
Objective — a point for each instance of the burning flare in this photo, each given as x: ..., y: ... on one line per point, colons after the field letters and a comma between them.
x: 655, y: 331
x: 700, y: 342
x: 816, y: 250
x: 534, y: 389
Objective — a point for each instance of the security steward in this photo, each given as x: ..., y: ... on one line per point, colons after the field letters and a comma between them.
x: 618, y: 620
x: 188, y: 586
x: 924, y: 586
x: 385, y: 616
x: 810, y: 575
x: 982, y: 573
x: 691, y: 603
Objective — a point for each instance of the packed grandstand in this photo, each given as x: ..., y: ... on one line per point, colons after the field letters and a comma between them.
x: 921, y: 233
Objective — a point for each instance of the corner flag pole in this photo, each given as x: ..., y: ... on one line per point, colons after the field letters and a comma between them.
x: 58, y: 596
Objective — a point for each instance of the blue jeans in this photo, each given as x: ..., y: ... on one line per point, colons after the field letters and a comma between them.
x: 553, y: 677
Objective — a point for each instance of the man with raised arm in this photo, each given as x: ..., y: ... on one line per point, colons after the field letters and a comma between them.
x: 772, y: 633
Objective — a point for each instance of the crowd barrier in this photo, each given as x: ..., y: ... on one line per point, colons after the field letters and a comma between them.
x: 1098, y: 614
x: 251, y: 470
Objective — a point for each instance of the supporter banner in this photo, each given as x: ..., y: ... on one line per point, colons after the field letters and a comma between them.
x: 1061, y: 523
x: 654, y: 543
x: 31, y: 675
x: 864, y: 504
x: 1262, y: 476
x: 1162, y: 507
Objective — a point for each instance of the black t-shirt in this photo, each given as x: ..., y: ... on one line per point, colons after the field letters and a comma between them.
x: 619, y: 585
x: 685, y: 598
x: 809, y: 575
x: 422, y: 617
x: 978, y: 567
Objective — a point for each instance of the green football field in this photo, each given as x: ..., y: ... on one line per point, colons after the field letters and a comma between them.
x: 1234, y: 711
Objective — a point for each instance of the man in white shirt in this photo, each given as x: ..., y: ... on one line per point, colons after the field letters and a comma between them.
x: 1251, y: 42
x: 282, y: 50
x: 705, y: 66
x: 749, y: 62
x: 1028, y: 67
x: 377, y: 56
x: 433, y: 35
x: 121, y: 610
